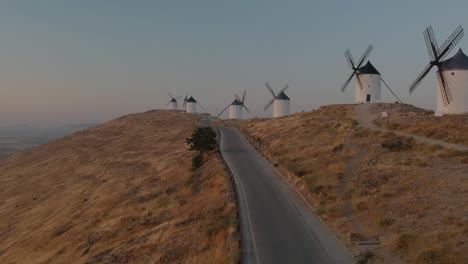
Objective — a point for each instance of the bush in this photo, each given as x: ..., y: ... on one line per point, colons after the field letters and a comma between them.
x: 397, y: 143
x: 365, y: 257
x: 197, y: 161
x: 203, y: 139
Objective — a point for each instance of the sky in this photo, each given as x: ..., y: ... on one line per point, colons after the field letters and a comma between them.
x: 68, y: 62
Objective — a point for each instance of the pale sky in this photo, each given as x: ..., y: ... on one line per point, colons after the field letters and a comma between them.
x: 68, y: 61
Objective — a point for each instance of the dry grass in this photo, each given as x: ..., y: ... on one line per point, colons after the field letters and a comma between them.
x: 449, y: 128
x: 395, y: 186
x: 122, y: 192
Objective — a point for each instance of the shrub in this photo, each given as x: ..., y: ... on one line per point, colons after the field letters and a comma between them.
x: 397, y: 143
x: 203, y: 139
x: 365, y: 257
x: 197, y: 161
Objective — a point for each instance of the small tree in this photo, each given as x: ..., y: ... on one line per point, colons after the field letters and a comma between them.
x: 203, y: 140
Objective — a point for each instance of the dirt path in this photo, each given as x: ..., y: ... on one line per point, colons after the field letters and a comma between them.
x: 365, y: 117
x: 351, y: 168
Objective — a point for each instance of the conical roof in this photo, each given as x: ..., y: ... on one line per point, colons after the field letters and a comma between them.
x: 236, y: 102
x: 368, y: 69
x: 173, y: 100
x: 282, y: 96
x: 191, y: 100
x: 458, y: 62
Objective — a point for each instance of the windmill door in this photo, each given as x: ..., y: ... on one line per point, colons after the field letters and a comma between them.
x: 368, y: 98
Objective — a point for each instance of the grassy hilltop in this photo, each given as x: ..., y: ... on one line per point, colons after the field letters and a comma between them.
x: 122, y: 192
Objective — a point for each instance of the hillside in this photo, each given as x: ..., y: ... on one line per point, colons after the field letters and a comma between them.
x: 122, y: 192
x: 402, y: 117
x: 376, y: 186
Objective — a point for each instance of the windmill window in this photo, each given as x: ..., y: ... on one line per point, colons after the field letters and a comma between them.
x: 453, y: 73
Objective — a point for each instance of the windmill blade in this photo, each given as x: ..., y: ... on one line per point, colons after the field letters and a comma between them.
x: 420, y: 78
x: 223, y: 111
x: 269, y: 89
x: 444, y: 88
x: 284, y: 88
x: 391, y: 91
x: 349, y: 59
x: 170, y: 95
x: 451, y: 42
x: 202, y: 107
x: 343, y: 88
x: 243, y: 96
x: 431, y: 43
x: 365, y: 55
x: 243, y: 105
x: 269, y: 104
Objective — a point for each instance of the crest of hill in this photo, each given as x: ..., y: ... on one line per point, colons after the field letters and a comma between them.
x: 407, y: 118
x: 121, y: 192
x: 409, y: 194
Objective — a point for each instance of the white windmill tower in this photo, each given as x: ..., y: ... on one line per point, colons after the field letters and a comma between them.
x: 280, y: 101
x: 235, y: 108
x: 368, y: 79
x: 190, y: 105
x: 173, y: 105
x: 452, y: 74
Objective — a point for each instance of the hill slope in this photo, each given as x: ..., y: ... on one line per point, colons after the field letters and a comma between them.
x: 409, y: 195
x: 120, y: 192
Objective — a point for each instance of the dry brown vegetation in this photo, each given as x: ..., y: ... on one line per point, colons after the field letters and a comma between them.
x: 410, y: 195
x: 449, y: 128
x: 122, y: 192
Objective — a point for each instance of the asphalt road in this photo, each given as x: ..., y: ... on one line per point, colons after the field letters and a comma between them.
x: 277, y: 225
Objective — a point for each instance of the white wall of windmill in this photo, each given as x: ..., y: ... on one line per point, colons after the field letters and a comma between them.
x: 281, y: 108
x: 457, y: 81
x: 191, y: 107
x: 235, y: 112
x: 371, y: 85
x: 173, y: 106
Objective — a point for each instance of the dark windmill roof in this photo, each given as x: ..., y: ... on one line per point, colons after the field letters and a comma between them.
x: 191, y: 100
x: 173, y: 100
x: 282, y: 96
x: 458, y: 62
x: 236, y: 102
x: 368, y: 69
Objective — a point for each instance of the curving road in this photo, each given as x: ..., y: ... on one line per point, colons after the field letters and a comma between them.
x: 277, y: 225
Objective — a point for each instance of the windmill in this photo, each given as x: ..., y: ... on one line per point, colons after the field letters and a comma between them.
x: 280, y: 101
x: 173, y: 102
x: 451, y: 84
x: 368, y: 79
x: 235, y: 108
x: 190, y: 105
